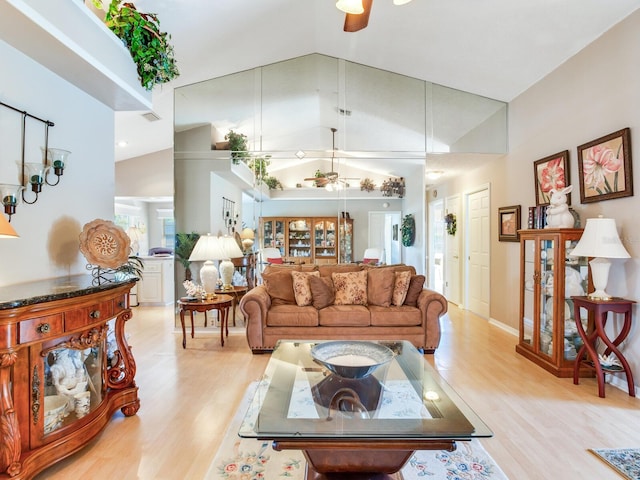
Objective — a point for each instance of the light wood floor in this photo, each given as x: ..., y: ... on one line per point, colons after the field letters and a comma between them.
x: 542, y: 425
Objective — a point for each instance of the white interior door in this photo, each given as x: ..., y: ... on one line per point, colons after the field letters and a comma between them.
x: 478, y: 245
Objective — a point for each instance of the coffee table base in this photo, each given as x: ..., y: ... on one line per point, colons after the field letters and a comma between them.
x: 311, y: 474
x: 345, y: 460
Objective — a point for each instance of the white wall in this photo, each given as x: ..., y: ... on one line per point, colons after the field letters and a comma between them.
x: 49, y: 229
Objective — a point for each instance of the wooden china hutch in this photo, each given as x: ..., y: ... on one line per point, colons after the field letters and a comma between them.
x: 318, y: 240
x: 65, y: 368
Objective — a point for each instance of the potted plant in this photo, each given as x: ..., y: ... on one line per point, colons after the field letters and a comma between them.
x: 318, y: 174
x: 184, y: 246
x: 149, y: 47
x: 238, y: 146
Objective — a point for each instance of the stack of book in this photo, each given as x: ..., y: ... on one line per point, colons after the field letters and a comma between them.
x: 537, y: 217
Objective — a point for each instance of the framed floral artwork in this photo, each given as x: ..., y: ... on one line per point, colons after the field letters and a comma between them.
x: 605, y: 167
x: 509, y: 223
x: 551, y: 172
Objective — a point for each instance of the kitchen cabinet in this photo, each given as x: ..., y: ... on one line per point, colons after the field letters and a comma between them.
x: 156, y: 285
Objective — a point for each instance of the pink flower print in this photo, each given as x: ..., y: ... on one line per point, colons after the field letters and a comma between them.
x: 552, y: 176
x: 597, y: 164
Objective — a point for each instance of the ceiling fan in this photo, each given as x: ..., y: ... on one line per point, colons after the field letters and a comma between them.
x: 358, y: 11
x: 331, y: 180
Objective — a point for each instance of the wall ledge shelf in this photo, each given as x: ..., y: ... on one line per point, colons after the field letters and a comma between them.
x: 68, y: 39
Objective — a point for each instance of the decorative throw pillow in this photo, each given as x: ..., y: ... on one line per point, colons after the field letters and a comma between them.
x: 301, y: 289
x: 415, y: 287
x: 351, y: 288
x: 279, y: 285
x: 277, y: 260
x: 380, y: 284
x: 370, y: 260
x: 401, y: 287
x: 322, y: 291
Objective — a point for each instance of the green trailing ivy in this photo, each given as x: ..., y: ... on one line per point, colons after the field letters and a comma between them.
x: 149, y: 47
x: 408, y: 230
x: 450, y: 221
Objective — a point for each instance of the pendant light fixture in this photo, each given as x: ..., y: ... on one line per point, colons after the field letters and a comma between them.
x: 353, y: 7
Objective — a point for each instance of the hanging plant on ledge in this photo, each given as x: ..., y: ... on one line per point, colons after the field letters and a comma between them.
x: 148, y: 46
x: 450, y: 221
x: 367, y: 185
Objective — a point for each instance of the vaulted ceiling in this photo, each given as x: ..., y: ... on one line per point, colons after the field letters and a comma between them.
x: 491, y: 48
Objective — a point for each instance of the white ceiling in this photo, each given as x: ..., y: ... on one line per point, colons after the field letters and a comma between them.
x: 493, y: 48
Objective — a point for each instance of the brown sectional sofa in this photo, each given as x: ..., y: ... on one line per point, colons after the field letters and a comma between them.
x: 335, y: 306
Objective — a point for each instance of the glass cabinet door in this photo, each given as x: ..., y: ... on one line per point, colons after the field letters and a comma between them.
x: 529, y: 278
x: 324, y: 240
x: 273, y: 234
x: 575, y: 285
x: 299, y: 238
x: 73, y: 385
x: 547, y: 282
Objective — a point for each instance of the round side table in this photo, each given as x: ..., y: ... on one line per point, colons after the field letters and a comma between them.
x: 220, y: 303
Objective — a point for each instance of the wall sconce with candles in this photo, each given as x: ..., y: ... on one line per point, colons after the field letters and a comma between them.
x: 35, y: 174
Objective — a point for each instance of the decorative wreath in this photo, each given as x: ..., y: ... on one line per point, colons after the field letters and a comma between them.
x: 450, y: 220
x: 408, y: 229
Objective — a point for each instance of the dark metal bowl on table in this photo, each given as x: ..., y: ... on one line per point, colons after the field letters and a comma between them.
x: 351, y: 359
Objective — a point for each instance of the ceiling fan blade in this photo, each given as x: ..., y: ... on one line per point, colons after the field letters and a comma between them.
x: 355, y: 22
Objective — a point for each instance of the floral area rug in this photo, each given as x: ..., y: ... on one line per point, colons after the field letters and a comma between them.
x: 625, y: 461
x: 249, y: 459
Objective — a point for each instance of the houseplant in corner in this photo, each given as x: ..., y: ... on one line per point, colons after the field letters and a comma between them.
x: 149, y: 47
x: 238, y: 146
x: 184, y: 246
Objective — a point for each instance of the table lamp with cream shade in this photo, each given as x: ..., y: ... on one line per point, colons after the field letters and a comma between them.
x: 207, y: 249
x: 231, y: 250
x: 600, y: 241
x: 6, y: 230
x: 248, y: 236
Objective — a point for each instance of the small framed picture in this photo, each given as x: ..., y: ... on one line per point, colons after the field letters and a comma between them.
x: 509, y: 223
x: 604, y: 166
x: 551, y: 172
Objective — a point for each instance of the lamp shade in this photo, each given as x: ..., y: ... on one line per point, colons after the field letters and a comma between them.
x: 400, y: 2
x: 600, y: 241
x: 247, y: 233
x: 6, y: 230
x: 207, y: 248
x: 232, y: 250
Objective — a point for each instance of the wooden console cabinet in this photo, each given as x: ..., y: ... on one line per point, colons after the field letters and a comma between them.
x: 65, y: 368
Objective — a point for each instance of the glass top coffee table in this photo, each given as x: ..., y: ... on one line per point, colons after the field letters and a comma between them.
x: 357, y: 428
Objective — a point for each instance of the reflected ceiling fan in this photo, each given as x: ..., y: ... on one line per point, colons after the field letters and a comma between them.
x: 331, y: 180
x: 358, y: 12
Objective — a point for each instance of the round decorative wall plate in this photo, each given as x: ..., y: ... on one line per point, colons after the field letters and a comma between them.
x: 104, y: 244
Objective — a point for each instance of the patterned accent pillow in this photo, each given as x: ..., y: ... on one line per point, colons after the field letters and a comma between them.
x: 322, y: 291
x: 301, y: 288
x: 401, y: 287
x: 351, y: 288
x: 415, y: 287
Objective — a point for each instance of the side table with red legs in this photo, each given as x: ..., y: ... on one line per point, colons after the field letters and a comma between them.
x: 600, y: 310
x: 220, y: 303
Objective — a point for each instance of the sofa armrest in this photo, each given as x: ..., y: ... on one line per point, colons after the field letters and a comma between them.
x: 432, y: 305
x: 254, y: 305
